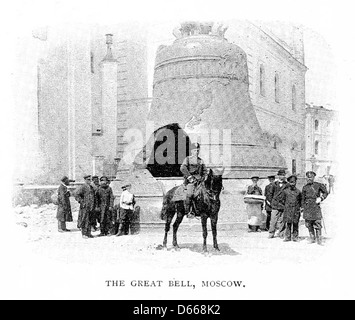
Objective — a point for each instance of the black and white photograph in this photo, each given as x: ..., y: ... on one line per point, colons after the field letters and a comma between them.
x: 177, y: 151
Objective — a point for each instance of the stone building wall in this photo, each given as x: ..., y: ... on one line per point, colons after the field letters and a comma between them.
x: 324, y: 161
x: 282, y: 123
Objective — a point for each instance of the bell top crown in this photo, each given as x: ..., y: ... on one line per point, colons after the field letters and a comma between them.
x: 193, y: 28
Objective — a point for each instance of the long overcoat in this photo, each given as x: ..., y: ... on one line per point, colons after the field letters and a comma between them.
x: 85, y: 195
x: 279, y: 187
x: 310, y: 193
x: 292, y: 200
x: 64, y: 213
x: 105, y: 201
x: 269, y: 193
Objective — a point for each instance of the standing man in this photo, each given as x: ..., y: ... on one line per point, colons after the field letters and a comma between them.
x: 313, y: 193
x: 127, y: 203
x: 97, y: 213
x: 254, y: 210
x: 105, y: 200
x: 64, y: 213
x: 292, y: 199
x: 269, y: 193
x: 85, y: 195
x: 277, y: 225
x: 195, y: 172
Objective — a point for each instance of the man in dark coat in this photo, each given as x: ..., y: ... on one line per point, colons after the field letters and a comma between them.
x: 313, y: 193
x: 292, y: 199
x: 195, y: 172
x: 277, y: 222
x: 97, y: 213
x: 64, y: 213
x: 85, y: 195
x: 269, y: 193
x: 105, y: 201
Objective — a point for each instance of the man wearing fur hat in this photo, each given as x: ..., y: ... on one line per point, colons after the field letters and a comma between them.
x: 195, y: 172
x: 313, y: 193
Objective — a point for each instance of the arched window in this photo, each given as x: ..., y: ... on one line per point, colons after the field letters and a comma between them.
x: 316, y: 125
x: 277, y: 87
x: 294, y: 98
x: 262, y: 80
x: 316, y: 147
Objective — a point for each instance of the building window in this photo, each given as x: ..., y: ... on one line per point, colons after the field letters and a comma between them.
x: 262, y: 80
x: 294, y: 167
x: 277, y: 88
x: 316, y: 147
x: 316, y: 125
x: 294, y: 98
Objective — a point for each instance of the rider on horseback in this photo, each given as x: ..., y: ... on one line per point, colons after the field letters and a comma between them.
x: 195, y: 172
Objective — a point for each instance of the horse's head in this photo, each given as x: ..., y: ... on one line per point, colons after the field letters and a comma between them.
x: 214, y: 183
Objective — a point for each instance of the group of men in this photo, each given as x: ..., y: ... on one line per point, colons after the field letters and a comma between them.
x: 284, y: 204
x: 96, y: 201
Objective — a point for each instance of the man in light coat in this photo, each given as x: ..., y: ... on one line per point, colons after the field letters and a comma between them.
x: 127, y: 203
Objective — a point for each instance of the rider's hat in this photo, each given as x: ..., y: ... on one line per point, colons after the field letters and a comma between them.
x: 195, y: 146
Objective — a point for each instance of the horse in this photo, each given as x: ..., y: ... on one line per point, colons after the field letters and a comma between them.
x: 207, y: 203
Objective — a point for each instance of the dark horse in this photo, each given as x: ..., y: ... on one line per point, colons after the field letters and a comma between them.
x: 207, y: 203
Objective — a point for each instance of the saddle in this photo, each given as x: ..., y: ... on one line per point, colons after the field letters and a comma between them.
x: 180, y: 194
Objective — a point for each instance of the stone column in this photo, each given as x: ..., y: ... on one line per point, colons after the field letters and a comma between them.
x: 79, y: 103
x: 108, y: 67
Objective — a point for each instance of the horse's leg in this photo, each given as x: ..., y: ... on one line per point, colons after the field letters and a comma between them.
x: 204, y: 231
x: 180, y: 215
x: 214, y: 219
x: 169, y: 218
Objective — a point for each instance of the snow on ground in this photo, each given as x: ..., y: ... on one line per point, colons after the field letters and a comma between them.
x: 40, y: 226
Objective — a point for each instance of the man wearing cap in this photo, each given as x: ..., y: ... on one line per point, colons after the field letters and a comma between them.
x: 64, y: 213
x: 195, y: 172
x: 291, y: 198
x: 127, y: 202
x: 105, y: 201
x: 85, y: 195
x: 276, y: 222
x: 97, y: 213
x: 254, y: 217
x: 269, y: 193
x: 313, y: 193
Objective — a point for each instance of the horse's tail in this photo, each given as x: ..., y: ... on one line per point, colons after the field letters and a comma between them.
x: 168, y: 205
